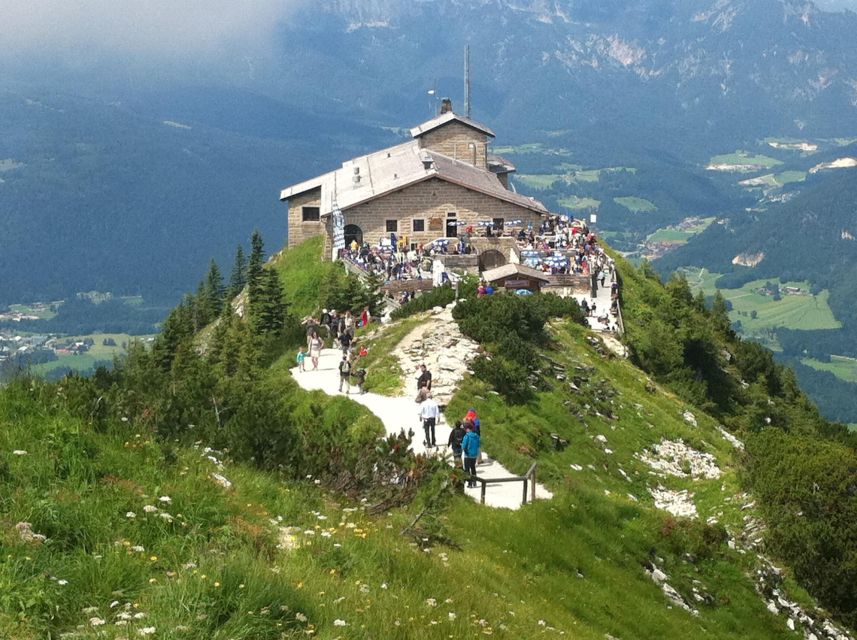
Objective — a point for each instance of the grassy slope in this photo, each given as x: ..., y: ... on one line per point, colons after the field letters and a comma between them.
x: 573, y: 562
x: 302, y: 273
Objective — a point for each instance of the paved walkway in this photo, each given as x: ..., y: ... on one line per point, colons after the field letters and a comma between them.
x: 602, y: 303
x: 402, y: 413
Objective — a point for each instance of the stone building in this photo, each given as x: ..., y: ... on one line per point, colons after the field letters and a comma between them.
x: 433, y: 186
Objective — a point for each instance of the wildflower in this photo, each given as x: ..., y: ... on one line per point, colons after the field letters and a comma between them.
x: 152, y: 580
x: 19, y: 452
x: 166, y: 516
x: 62, y: 583
x: 431, y: 602
x: 150, y: 508
x: 137, y: 548
x: 139, y: 615
x: 165, y: 499
x: 115, y: 603
x: 153, y: 558
x: 130, y: 515
x: 383, y: 585
x: 90, y: 610
x: 542, y: 623
x: 96, y: 622
x: 146, y: 631
x: 451, y: 615
x: 300, y: 617
x: 216, y: 584
x: 339, y: 623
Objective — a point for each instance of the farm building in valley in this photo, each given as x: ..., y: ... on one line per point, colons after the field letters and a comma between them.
x: 434, y: 186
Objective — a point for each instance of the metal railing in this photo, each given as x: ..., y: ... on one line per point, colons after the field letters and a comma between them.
x: 528, y: 480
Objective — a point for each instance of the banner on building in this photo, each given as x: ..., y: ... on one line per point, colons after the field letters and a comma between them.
x: 338, y: 230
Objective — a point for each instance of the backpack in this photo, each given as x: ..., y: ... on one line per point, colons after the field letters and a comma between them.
x: 345, y: 367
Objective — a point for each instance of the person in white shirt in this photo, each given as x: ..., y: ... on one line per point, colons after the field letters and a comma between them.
x: 429, y: 413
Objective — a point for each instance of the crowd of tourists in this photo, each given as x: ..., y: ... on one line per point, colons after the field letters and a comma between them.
x: 396, y: 259
x: 340, y: 328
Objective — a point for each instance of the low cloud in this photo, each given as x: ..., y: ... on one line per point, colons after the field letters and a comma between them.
x: 144, y: 29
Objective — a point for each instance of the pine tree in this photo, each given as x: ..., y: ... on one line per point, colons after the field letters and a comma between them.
x: 257, y: 260
x: 214, y: 291
x: 238, y: 278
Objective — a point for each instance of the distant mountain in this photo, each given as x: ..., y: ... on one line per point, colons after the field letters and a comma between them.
x: 137, y: 198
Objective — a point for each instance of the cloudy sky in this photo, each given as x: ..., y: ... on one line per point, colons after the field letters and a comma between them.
x: 165, y: 29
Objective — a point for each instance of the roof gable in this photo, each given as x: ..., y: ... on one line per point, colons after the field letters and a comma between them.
x: 446, y: 118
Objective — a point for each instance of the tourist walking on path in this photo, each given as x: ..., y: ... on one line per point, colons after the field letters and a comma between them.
x: 300, y: 359
x: 470, y: 447
x: 315, y: 346
x: 424, y: 381
x: 454, y: 443
x: 345, y: 374
x: 429, y: 413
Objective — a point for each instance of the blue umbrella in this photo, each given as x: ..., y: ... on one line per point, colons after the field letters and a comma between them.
x: 523, y: 292
x: 513, y: 223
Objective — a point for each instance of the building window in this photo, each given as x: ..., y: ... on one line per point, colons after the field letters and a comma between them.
x: 310, y: 214
x: 498, y: 224
x: 418, y: 225
x: 451, y: 214
x: 392, y: 226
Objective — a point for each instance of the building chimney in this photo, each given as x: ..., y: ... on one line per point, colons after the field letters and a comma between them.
x: 445, y: 106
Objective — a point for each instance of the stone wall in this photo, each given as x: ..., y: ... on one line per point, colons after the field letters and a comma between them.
x: 431, y: 201
x: 298, y: 229
x: 454, y: 140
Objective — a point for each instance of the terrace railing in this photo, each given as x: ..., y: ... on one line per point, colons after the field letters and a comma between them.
x: 528, y: 480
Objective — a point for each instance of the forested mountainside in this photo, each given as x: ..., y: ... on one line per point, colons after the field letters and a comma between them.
x: 196, y: 491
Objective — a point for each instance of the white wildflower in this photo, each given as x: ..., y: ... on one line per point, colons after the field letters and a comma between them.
x: 138, y: 548
x: 165, y: 499
x: 115, y: 603
x: 146, y: 631
x: 340, y: 623
x: 130, y: 515
x: 542, y: 623
x: 383, y: 585
x: 300, y: 617
x: 19, y: 452
x: 431, y: 602
x: 139, y: 615
x: 150, y: 508
x: 166, y: 516
x: 62, y: 583
x: 96, y: 622
x: 451, y: 615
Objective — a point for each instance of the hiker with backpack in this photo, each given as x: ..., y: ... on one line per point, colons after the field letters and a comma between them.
x: 344, y: 374
x: 454, y: 443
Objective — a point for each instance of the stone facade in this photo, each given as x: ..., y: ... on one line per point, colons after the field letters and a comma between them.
x: 430, y: 201
x: 298, y: 229
x: 459, y: 142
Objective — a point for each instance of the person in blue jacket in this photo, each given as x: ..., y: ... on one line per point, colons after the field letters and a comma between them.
x: 470, y: 447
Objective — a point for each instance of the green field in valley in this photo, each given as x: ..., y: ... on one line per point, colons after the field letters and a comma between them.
x: 840, y: 366
x: 680, y: 234
x: 576, y: 202
x: 99, y: 352
x: 740, y: 159
x: 759, y: 313
x: 635, y: 204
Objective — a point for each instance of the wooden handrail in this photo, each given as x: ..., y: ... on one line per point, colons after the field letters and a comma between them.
x: 528, y: 479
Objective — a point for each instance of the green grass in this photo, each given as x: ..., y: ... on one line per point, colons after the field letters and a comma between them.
x: 745, y: 158
x: 840, y: 366
x: 384, y: 374
x: 577, y: 203
x: 303, y: 274
x: 776, y: 179
x: 635, y: 204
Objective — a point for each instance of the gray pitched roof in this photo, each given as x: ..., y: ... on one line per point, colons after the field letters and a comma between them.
x: 371, y: 176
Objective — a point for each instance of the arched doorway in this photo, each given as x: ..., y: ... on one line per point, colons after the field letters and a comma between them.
x: 490, y: 259
x: 353, y: 232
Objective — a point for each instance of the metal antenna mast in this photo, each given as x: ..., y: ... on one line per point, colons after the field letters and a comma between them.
x: 467, y: 80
